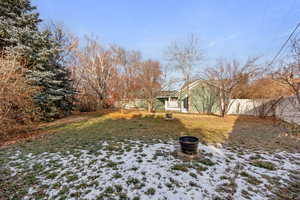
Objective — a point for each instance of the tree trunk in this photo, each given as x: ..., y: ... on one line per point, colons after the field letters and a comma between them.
x: 99, y: 105
x: 222, y: 111
x: 150, y: 107
x: 188, y: 94
x: 222, y: 106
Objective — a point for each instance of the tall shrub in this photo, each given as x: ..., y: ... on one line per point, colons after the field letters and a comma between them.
x: 17, y: 110
x: 40, y: 51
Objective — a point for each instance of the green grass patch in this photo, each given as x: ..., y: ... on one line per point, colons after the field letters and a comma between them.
x: 207, y: 162
x: 264, y: 164
x: 250, y: 179
x: 180, y: 167
x: 150, y: 191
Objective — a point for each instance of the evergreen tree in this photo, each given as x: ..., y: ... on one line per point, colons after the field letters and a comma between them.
x: 41, y: 51
x: 18, y: 23
x: 57, y: 95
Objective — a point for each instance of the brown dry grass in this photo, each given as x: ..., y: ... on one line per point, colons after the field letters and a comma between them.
x: 237, y: 131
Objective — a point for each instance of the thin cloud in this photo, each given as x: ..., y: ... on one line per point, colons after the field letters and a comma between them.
x: 231, y: 36
x: 212, y: 44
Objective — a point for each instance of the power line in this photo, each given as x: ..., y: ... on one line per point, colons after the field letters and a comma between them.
x: 284, y: 44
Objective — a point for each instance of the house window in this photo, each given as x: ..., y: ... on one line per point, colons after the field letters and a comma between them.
x: 186, y: 103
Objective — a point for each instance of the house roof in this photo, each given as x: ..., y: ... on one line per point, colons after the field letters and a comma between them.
x: 167, y: 93
x: 191, y: 84
x: 175, y: 93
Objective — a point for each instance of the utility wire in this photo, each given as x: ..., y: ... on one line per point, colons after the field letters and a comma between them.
x: 284, y: 44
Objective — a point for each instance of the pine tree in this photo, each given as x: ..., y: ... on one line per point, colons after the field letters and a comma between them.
x: 19, y: 32
x: 57, y: 95
x: 18, y: 23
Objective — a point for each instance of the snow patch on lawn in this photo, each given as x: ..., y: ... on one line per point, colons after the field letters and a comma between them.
x: 131, y: 169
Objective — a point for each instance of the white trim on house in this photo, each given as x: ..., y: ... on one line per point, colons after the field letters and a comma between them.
x: 178, y: 105
x: 172, y: 104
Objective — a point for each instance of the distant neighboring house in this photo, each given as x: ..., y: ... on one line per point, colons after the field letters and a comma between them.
x: 201, y: 98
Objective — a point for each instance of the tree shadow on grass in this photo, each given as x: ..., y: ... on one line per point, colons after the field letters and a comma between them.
x: 264, y: 132
x: 115, y: 127
x: 40, y: 129
x: 110, y: 127
x: 241, y: 131
x: 261, y: 134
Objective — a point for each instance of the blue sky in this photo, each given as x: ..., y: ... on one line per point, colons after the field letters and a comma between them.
x: 228, y: 29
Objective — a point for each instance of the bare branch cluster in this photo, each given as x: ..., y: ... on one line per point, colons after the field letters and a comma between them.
x: 185, y: 56
x: 17, y: 109
x: 104, y: 76
x: 226, y: 76
x: 289, y: 72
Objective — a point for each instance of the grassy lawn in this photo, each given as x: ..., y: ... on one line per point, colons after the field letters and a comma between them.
x: 114, y: 155
x: 240, y: 131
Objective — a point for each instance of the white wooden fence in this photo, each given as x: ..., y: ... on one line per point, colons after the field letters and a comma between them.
x: 286, y: 108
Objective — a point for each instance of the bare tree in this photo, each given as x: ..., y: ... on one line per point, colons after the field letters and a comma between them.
x: 288, y: 73
x: 67, y: 42
x: 94, y: 71
x: 184, y: 56
x: 149, y: 74
x: 226, y: 76
x: 137, y: 78
x: 105, y: 76
x: 269, y: 93
x: 126, y: 83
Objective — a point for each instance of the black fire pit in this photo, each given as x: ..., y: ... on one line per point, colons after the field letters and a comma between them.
x: 189, y: 144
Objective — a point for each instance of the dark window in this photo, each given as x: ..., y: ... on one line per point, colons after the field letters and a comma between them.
x: 186, y: 103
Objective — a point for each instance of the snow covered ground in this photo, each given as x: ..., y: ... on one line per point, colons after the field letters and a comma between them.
x: 136, y: 170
